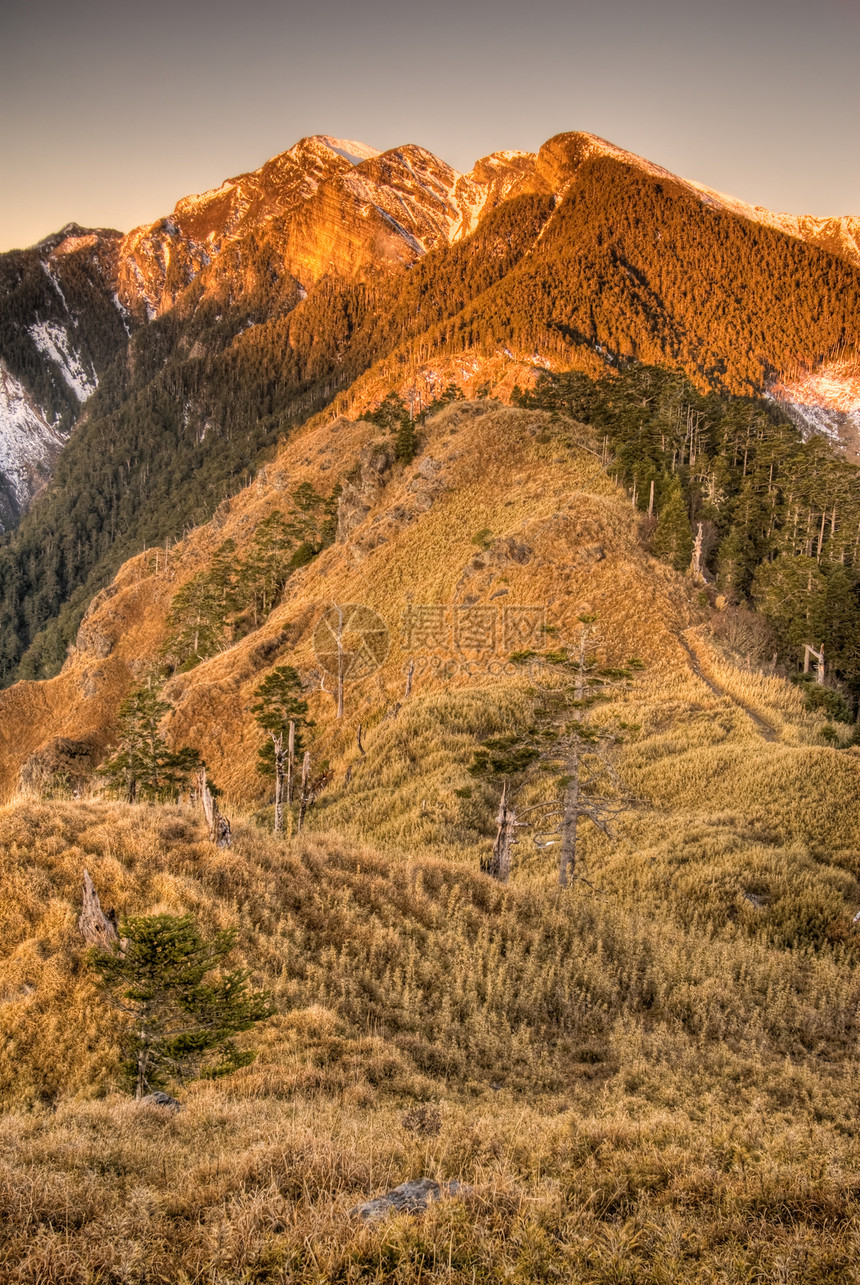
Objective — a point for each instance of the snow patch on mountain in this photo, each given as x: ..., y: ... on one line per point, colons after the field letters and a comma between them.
x: 53, y: 341
x: 123, y: 313
x: 46, y: 268
x: 826, y: 401
x: 28, y: 444
x: 493, y: 179
x: 412, y: 189
x: 351, y: 151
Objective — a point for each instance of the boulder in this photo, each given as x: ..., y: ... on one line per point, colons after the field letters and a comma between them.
x: 408, y: 1198
x: 162, y: 1100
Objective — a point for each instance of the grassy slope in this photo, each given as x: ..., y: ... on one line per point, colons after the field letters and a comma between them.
x: 675, y: 1041
x: 510, y: 473
x: 677, y: 1066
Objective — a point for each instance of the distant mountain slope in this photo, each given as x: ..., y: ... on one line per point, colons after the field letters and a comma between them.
x: 60, y: 327
x: 328, y: 207
x: 503, y: 509
x: 335, y: 273
x: 839, y: 235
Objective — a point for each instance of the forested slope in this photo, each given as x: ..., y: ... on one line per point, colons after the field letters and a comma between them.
x: 618, y: 263
x: 180, y: 421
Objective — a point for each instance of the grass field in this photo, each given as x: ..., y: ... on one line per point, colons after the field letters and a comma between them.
x: 650, y: 1078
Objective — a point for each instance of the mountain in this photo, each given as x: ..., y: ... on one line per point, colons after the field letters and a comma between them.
x: 327, y: 207
x: 334, y: 275
x: 279, y: 468
x: 333, y: 207
x: 61, y: 325
x: 330, y: 207
x: 501, y: 507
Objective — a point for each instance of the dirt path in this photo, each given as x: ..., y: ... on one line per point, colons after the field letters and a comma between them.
x: 764, y: 729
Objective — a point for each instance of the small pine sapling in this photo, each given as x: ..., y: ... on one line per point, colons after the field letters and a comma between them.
x: 143, y: 766
x: 180, y: 1020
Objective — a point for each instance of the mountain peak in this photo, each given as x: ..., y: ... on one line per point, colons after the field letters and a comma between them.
x: 350, y: 150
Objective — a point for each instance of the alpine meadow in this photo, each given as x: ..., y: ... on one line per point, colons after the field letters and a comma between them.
x: 430, y: 732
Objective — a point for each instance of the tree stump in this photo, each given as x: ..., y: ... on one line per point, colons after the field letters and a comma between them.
x: 96, y: 927
x: 218, y: 826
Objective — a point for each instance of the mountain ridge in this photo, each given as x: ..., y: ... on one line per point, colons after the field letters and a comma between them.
x: 469, y: 195
x: 145, y: 270
x: 330, y: 277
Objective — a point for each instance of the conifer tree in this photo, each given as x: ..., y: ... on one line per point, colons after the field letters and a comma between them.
x: 143, y: 766
x: 200, y: 612
x: 673, y: 538
x: 282, y: 712
x: 405, y: 444
x: 282, y: 543
x: 388, y: 414
x: 564, y: 748
x: 179, y: 1020
x: 450, y: 393
x: 265, y: 570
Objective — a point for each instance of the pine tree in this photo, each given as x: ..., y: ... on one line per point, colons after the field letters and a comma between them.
x: 179, y: 1021
x: 265, y: 570
x: 200, y: 612
x: 564, y: 748
x: 388, y: 414
x: 143, y: 766
x: 282, y: 712
x: 673, y: 538
x: 405, y: 444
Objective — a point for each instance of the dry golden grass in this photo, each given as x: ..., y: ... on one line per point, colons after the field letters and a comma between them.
x: 779, y: 703
x: 651, y: 1078
x: 676, y: 1073
x: 514, y: 474
x: 259, y: 1192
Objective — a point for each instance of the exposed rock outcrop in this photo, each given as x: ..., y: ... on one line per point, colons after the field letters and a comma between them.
x: 362, y: 487
x: 408, y: 1198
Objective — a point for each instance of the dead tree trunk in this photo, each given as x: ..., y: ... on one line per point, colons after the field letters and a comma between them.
x: 499, y: 866
x: 278, y: 743
x: 208, y: 801
x: 218, y: 826
x: 409, y: 672
x: 580, y: 673
x: 358, y: 741
x: 305, y: 799
x: 291, y: 762
x: 696, y: 564
x: 567, y: 855
x: 341, y: 660
x: 96, y: 927
x: 819, y: 658
x: 141, y: 1084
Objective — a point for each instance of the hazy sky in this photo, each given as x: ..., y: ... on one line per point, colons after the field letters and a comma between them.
x: 112, y: 111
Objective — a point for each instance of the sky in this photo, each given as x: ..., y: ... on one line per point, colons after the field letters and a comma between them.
x: 111, y: 111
